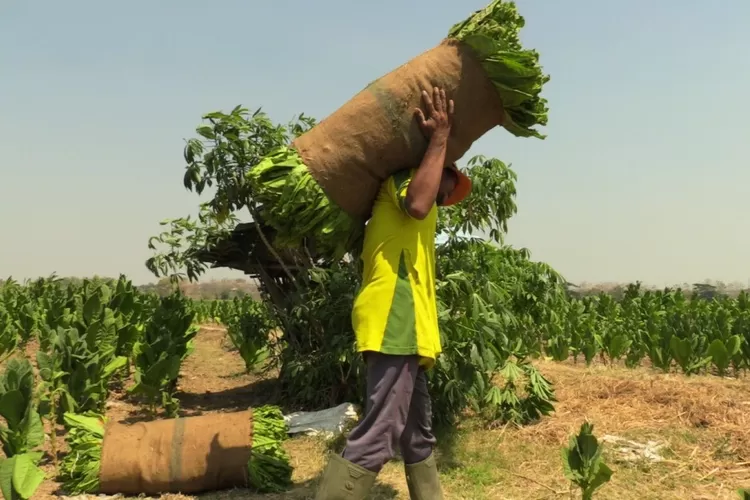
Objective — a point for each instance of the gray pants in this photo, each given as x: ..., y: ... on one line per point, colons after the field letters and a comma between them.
x: 398, y: 413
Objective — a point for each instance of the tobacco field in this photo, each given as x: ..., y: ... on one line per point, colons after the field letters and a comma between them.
x: 97, y: 334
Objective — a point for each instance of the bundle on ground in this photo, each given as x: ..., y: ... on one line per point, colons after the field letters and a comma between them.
x: 182, y: 455
x: 323, y: 185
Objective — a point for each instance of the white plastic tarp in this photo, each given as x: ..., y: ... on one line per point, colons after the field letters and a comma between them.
x: 328, y: 423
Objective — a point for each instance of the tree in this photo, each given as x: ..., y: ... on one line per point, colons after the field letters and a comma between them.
x: 495, y: 303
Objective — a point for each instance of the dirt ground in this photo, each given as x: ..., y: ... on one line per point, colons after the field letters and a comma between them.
x: 701, y: 423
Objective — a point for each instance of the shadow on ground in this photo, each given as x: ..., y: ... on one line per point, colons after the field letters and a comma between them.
x: 304, y: 490
x: 447, y: 446
x: 257, y: 393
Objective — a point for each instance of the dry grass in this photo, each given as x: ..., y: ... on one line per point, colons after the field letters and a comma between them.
x: 703, y: 422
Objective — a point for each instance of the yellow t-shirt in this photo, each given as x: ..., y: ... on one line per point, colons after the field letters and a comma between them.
x: 395, y: 311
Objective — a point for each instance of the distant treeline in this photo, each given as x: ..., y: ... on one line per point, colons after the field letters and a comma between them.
x: 231, y: 288
x: 705, y: 290
x: 207, y: 290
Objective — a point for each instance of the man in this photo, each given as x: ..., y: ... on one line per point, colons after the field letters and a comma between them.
x: 395, y: 321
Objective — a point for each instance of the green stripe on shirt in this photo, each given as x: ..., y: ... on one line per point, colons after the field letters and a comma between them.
x: 401, y: 328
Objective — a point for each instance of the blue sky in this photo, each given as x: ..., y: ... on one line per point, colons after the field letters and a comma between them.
x: 644, y: 174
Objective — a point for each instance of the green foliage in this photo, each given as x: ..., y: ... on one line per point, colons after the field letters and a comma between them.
x: 34, y: 309
x: 229, y: 145
x: 249, y: 329
x: 665, y: 326
x: 480, y: 213
x: 18, y: 316
x: 294, y: 204
x: 26, y: 321
x: 158, y: 355
x: 268, y: 469
x: 494, y: 305
x: 524, y: 397
x: 78, y: 371
x: 131, y: 311
x: 318, y: 363
x: 23, y: 429
x: 226, y: 311
x: 8, y: 335
x: 79, y: 470
x: 89, y: 333
x: 493, y: 34
x: 183, y: 242
x: 583, y: 463
x: 20, y: 476
x: 86, y: 330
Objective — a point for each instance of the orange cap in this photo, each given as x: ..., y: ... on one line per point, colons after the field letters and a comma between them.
x: 462, y: 189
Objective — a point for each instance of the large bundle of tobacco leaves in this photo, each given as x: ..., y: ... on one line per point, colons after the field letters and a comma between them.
x: 182, y: 455
x: 323, y: 185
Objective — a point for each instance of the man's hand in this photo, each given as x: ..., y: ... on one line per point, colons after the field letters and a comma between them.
x: 439, y: 114
x: 423, y: 187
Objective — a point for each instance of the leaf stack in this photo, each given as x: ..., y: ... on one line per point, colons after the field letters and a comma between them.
x: 321, y: 188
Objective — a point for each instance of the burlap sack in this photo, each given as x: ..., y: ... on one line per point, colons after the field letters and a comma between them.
x: 375, y: 134
x: 183, y: 455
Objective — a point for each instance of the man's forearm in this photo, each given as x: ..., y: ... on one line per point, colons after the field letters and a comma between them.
x: 423, y: 188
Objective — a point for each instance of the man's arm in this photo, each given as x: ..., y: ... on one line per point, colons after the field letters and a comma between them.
x: 423, y: 187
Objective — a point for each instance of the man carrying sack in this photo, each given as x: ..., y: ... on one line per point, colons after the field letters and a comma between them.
x: 395, y: 320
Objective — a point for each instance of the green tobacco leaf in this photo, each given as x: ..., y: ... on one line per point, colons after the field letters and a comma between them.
x: 67, y: 402
x: 618, y: 345
x: 587, y: 445
x: 589, y: 351
x: 295, y: 205
x: 571, y: 463
x: 90, y: 423
x: 6, y: 478
x: 682, y: 351
x: 12, y: 408
x: 602, y: 476
x: 733, y: 345
x: 45, y: 405
x: 20, y: 476
x: 116, y: 364
x: 91, y: 308
x: 32, y: 429
x: 493, y: 34
x: 46, y: 365
x: 26, y: 475
x: 719, y: 355
x: 582, y: 461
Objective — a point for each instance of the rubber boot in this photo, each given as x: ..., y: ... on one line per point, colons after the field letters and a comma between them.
x: 343, y: 480
x: 423, y: 480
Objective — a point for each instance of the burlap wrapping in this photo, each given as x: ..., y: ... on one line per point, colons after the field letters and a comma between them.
x: 183, y: 455
x: 375, y: 133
